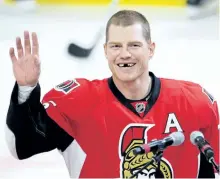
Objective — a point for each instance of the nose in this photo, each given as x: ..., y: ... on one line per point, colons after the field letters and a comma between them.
x: 124, y: 53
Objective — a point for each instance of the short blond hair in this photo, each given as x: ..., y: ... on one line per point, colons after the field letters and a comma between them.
x: 129, y: 17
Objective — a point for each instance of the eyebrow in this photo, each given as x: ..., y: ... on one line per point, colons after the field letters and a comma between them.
x: 113, y: 43
x: 128, y: 42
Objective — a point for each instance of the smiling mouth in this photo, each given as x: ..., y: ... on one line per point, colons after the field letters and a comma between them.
x: 126, y: 64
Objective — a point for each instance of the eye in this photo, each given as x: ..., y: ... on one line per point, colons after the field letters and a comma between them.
x: 135, y: 45
x: 115, y: 46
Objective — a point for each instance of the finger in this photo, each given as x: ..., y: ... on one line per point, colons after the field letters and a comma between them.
x: 12, y: 55
x: 36, y: 60
x: 37, y: 65
x: 27, y: 43
x: 35, y: 45
x: 19, y: 47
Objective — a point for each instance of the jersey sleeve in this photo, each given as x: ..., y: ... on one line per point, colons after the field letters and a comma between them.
x: 212, y: 133
x: 206, y: 116
x: 37, y: 126
x: 29, y: 130
x: 69, y: 104
x: 209, y: 117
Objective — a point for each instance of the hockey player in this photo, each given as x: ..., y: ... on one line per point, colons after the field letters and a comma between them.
x: 96, y: 125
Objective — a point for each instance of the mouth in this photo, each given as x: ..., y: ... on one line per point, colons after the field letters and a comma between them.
x: 126, y: 65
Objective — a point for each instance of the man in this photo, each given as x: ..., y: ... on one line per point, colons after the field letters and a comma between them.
x: 105, y: 120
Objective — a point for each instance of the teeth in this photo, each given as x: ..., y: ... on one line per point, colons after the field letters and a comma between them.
x: 126, y: 64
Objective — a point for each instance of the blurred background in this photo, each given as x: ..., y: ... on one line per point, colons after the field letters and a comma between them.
x: 186, y: 34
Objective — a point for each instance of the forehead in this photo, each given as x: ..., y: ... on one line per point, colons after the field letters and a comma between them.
x: 125, y: 34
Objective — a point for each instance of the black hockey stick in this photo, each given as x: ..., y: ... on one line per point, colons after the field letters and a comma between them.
x: 206, y: 9
x: 81, y: 52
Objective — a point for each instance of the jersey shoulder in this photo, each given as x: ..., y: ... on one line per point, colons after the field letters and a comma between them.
x: 80, y: 89
x: 194, y: 93
x: 197, y: 92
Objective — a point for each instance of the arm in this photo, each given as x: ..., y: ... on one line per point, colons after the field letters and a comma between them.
x: 33, y: 127
x: 209, y: 127
x: 29, y: 130
x: 213, y: 133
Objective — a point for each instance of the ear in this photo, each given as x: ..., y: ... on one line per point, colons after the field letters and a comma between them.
x: 105, y: 49
x: 152, y: 49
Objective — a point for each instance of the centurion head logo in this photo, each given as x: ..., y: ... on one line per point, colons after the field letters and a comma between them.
x: 132, y: 136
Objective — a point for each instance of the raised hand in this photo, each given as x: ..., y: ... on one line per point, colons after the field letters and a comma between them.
x: 26, y: 65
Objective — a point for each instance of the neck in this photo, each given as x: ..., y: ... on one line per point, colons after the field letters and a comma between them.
x: 134, y: 90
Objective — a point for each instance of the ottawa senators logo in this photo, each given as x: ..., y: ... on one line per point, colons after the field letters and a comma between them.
x: 132, y: 136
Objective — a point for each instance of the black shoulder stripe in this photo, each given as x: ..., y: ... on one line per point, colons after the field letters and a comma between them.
x: 210, y: 97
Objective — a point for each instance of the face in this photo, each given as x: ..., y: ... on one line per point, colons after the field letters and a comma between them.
x: 128, y: 52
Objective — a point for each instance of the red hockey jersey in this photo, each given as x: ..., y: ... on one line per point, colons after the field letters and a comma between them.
x: 107, y: 127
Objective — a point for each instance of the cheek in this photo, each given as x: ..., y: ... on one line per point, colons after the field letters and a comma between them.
x: 142, y: 56
x: 112, y: 56
x: 142, y: 61
x: 111, y: 61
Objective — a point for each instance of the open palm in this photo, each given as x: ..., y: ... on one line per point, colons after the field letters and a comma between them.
x: 26, y: 66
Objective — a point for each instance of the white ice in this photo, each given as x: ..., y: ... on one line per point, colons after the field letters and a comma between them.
x: 185, y: 50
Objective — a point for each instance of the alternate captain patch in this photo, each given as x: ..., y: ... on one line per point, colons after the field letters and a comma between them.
x: 67, y: 86
x: 211, y: 98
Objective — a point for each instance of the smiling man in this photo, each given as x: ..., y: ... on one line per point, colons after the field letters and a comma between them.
x: 96, y: 125
x: 128, y: 56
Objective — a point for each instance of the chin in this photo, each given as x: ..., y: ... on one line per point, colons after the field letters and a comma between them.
x: 127, y: 78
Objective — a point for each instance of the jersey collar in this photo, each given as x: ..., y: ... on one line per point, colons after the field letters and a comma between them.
x: 155, y: 91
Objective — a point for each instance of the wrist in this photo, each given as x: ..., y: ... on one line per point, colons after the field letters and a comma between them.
x: 26, y: 88
x: 24, y: 93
